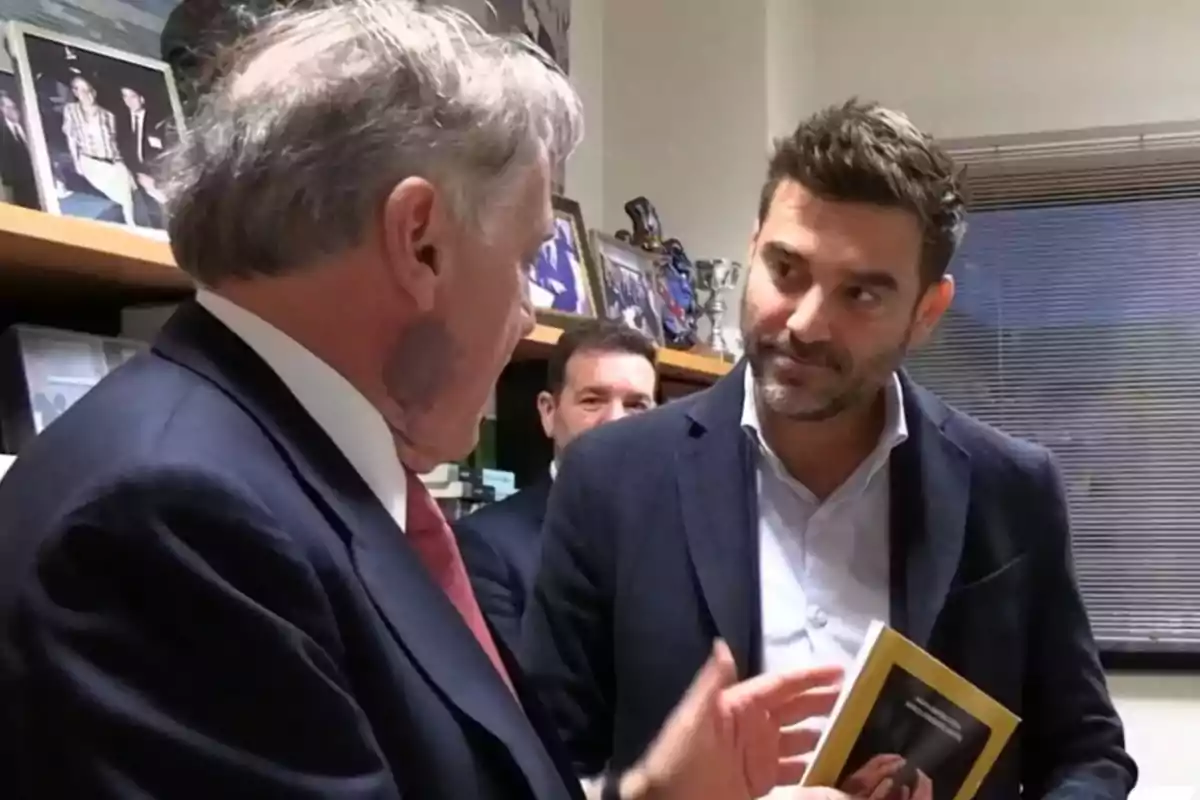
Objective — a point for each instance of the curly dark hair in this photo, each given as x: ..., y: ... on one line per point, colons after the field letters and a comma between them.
x: 865, y: 153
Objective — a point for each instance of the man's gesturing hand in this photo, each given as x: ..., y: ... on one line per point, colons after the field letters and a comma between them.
x: 727, y: 741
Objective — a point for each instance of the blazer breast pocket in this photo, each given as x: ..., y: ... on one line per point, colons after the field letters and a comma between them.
x: 1008, y: 577
x: 984, y: 623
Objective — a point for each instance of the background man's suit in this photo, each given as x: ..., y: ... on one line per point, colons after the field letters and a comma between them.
x: 141, y: 148
x: 150, y: 138
x: 502, y: 544
x: 186, y: 544
x: 16, y: 168
x: 650, y: 550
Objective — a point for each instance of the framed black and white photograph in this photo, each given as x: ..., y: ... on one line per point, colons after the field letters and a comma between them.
x: 629, y: 278
x: 99, y: 121
x: 18, y: 184
x: 563, y: 282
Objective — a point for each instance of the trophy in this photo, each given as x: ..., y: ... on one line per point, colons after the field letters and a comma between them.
x: 717, y: 276
x: 647, y: 230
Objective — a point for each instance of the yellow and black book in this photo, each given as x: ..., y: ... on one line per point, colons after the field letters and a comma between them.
x: 907, y: 727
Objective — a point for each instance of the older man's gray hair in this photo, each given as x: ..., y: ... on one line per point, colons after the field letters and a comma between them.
x: 322, y: 111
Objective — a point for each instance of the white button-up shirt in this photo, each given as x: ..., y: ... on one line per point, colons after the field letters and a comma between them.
x: 824, y: 566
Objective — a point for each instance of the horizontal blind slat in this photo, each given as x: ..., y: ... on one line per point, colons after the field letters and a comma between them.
x: 1075, y: 326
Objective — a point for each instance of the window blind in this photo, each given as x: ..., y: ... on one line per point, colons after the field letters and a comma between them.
x: 1076, y: 324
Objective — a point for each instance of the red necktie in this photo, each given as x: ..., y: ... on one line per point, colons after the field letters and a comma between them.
x: 430, y: 535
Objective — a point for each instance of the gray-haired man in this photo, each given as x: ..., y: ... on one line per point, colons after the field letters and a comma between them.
x: 218, y: 575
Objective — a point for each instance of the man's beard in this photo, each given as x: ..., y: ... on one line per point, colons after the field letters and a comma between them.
x: 854, y: 385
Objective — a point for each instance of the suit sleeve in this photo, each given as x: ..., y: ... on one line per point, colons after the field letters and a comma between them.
x: 185, y: 649
x: 497, y: 587
x: 1076, y: 743
x: 566, y: 639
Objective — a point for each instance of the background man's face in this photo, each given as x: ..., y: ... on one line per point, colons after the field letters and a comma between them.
x: 83, y: 91
x: 133, y: 100
x: 598, y: 387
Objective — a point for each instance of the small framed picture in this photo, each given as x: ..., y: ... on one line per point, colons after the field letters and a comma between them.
x: 629, y: 276
x: 564, y: 283
x: 18, y: 184
x: 99, y: 121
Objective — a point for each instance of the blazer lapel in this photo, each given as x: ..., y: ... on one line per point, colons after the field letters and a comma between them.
x: 719, y: 509
x: 425, y: 623
x: 540, y: 719
x: 930, y: 492
x: 429, y: 628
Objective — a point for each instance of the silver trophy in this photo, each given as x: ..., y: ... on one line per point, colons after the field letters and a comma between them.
x: 716, y: 277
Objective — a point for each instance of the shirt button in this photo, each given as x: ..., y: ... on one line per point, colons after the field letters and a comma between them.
x: 817, y: 618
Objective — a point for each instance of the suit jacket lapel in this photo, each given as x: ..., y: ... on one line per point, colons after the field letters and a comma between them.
x: 424, y: 621
x: 930, y: 492
x: 539, y: 718
x: 719, y: 509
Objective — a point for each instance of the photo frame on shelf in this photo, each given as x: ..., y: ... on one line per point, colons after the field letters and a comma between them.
x: 98, y: 121
x: 18, y: 181
x: 629, y: 276
x: 563, y: 284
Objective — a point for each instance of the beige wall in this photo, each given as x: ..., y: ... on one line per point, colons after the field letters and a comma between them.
x: 974, y: 68
x: 683, y: 95
x: 585, y: 170
x: 685, y: 116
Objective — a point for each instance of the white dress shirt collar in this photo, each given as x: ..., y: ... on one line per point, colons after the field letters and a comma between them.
x: 895, y: 428
x: 356, y: 428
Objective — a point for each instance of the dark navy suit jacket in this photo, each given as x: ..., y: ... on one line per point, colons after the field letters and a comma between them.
x: 200, y: 598
x: 501, y: 544
x: 650, y: 550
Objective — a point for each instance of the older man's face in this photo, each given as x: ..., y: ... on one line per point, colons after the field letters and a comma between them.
x: 480, y: 312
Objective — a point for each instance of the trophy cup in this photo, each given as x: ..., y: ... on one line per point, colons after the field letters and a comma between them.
x: 717, y: 276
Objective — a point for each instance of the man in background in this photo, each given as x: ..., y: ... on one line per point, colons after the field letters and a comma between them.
x: 817, y: 488
x: 16, y: 164
x: 598, y: 372
x: 141, y: 139
x: 220, y: 575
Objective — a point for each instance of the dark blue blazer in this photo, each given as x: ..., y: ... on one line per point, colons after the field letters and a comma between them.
x: 501, y: 544
x: 650, y: 550
x: 200, y: 598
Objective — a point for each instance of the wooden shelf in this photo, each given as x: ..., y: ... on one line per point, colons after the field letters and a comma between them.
x: 673, y: 364
x: 38, y: 248
x: 46, y: 253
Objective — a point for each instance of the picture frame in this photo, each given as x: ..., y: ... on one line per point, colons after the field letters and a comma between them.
x: 563, y: 284
x: 18, y: 181
x: 99, y: 119
x: 629, y: 276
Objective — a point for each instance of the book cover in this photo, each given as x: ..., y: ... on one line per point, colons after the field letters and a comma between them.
x: 907, y: 727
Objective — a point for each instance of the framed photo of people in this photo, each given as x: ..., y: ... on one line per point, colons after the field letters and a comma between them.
x: 629, y: 276
x: 18, y: 184
x: 563, y: 284
x: 99, y: 122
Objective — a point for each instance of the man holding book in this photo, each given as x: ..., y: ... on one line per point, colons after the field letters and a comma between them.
x: 817, y: 488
